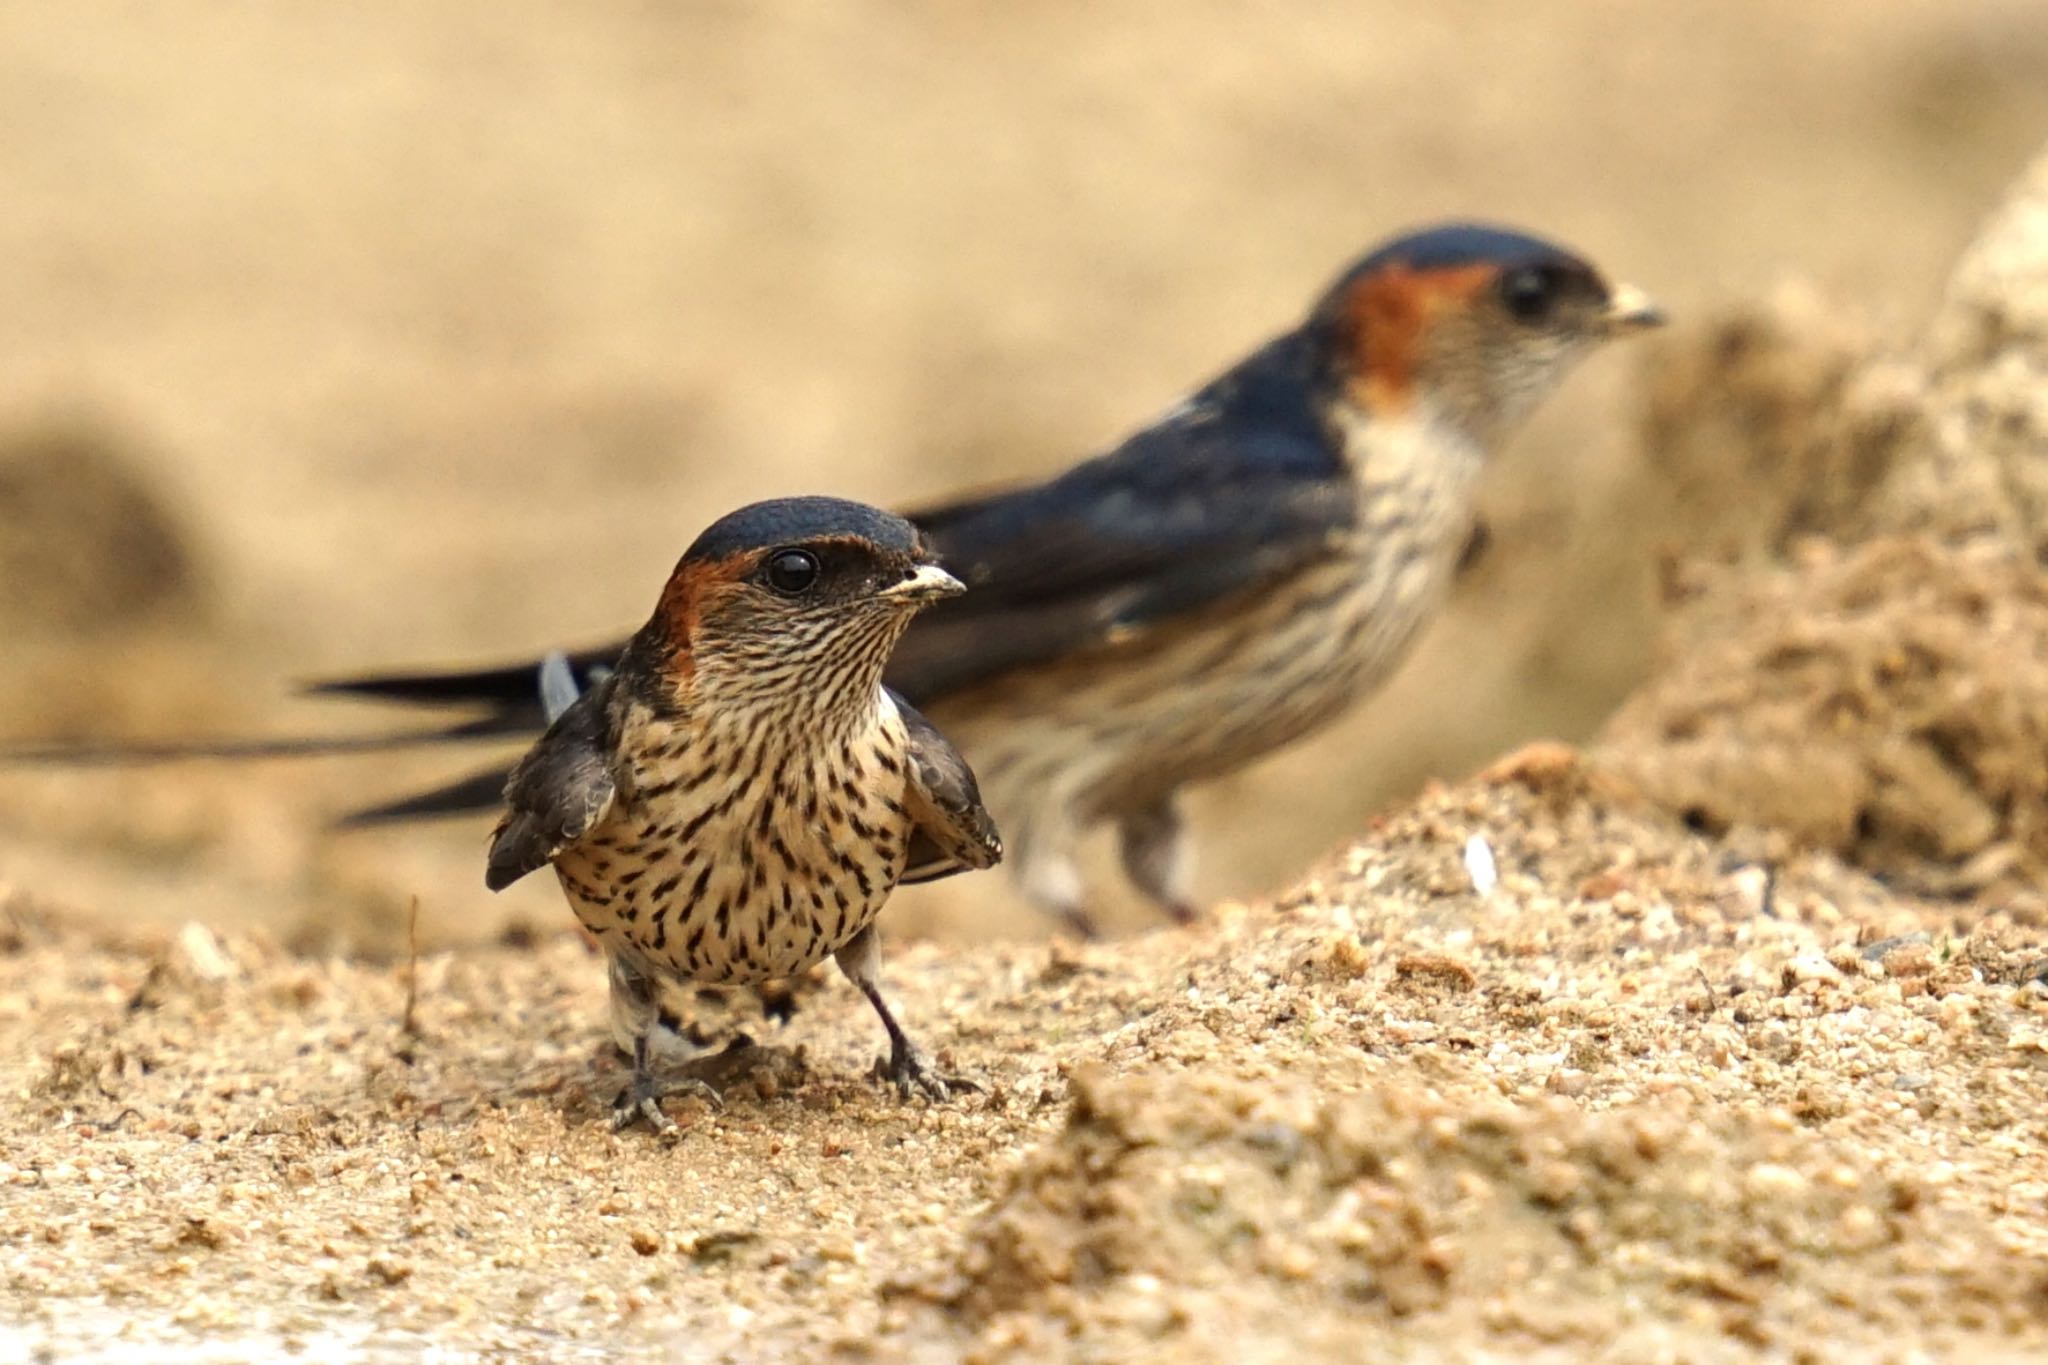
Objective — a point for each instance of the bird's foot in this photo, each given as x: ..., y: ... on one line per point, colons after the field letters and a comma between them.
x: 642, y: 1097
x: 1180, y: 912
x: 910, y: 1071
x: 1081, y: 924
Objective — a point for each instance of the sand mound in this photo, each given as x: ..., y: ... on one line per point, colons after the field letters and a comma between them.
x: 1791, y: 418
x: 1158, y: 1195
x: 1772, y: 422
x: 87, y: 544
x: 1888, y: 703
x: 1875, y: 680
x: 106, y: 600
x: 1987, y: 468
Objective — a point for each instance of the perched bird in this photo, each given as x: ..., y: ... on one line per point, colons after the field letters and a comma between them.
x: 738, y: 796
x: 1230, y: 578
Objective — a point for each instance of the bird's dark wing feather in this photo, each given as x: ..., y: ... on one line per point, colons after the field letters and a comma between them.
x: 557, y: 792
x: 953, y: 830
x: 1238, y: 487
x: 511, y: 691
x: 481, y: 790
x: 142, y: 752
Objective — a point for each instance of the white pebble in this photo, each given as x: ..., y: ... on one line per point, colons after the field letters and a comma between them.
x: 1479, y: 865
x: 1812, y: 967
x: 204, y: 954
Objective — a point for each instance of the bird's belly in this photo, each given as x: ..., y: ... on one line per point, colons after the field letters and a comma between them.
x: 754, y: 889
x: 1247, y: 688
x: 1201, y: 700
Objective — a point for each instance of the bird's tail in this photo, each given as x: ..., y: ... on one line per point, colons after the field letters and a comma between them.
x: 518, y: 699
x: 143, y: 753
x: 506, y: 690
x: 559, y: 686
x: 478, y: 792
x: 475, y: 794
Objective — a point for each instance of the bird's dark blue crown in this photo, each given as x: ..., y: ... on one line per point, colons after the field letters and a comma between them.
x: 792, y: 521
x: 1452, y: 245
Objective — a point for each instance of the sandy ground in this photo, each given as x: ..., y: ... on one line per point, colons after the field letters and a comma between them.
x: 432, y: 333
x: 1645, y: 1100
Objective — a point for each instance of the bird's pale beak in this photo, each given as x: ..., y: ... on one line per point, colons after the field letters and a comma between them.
x: 1629, y: 309
x: 926, y: 583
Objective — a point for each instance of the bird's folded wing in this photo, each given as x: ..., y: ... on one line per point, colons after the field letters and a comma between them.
x: 953, y: 831
x: 1239, y: 487
x: 556, y: 794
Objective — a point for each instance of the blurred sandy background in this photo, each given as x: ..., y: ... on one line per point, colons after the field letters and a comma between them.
x: 438, y: 331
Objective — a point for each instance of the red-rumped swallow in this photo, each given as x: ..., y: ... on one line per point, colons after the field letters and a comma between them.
x: 1225, y: 582
x: 736, y: 798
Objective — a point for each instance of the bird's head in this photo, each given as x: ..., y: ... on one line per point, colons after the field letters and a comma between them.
x: 1466, y: 325
x: 792, y: 605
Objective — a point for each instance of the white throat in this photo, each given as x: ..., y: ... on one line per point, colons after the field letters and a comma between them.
x: 1417, y: 474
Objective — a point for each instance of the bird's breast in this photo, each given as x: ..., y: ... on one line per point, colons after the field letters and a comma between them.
x: 721, y: 861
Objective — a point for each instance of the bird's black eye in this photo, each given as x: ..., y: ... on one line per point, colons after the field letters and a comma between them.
x: 792, y: 572
x: 1529, y: 293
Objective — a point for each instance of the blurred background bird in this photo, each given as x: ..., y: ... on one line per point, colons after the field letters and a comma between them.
x: 737, y: 799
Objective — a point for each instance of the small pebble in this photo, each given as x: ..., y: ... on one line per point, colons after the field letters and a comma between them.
x: 1810, y: 967
x: 1480, y: 865
x: 1769, y: 1181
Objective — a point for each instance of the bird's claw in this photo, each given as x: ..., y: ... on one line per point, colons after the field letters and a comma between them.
x: 641, y: 1099
x: 625, y: 1109
x: 910, y: 1071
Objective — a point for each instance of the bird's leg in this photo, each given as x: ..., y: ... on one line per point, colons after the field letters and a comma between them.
x: 636, y: 1015
x: 908, y: 1068
x: 1158, y: 856
x: 1046, y: 871
x: 1478, y: 541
